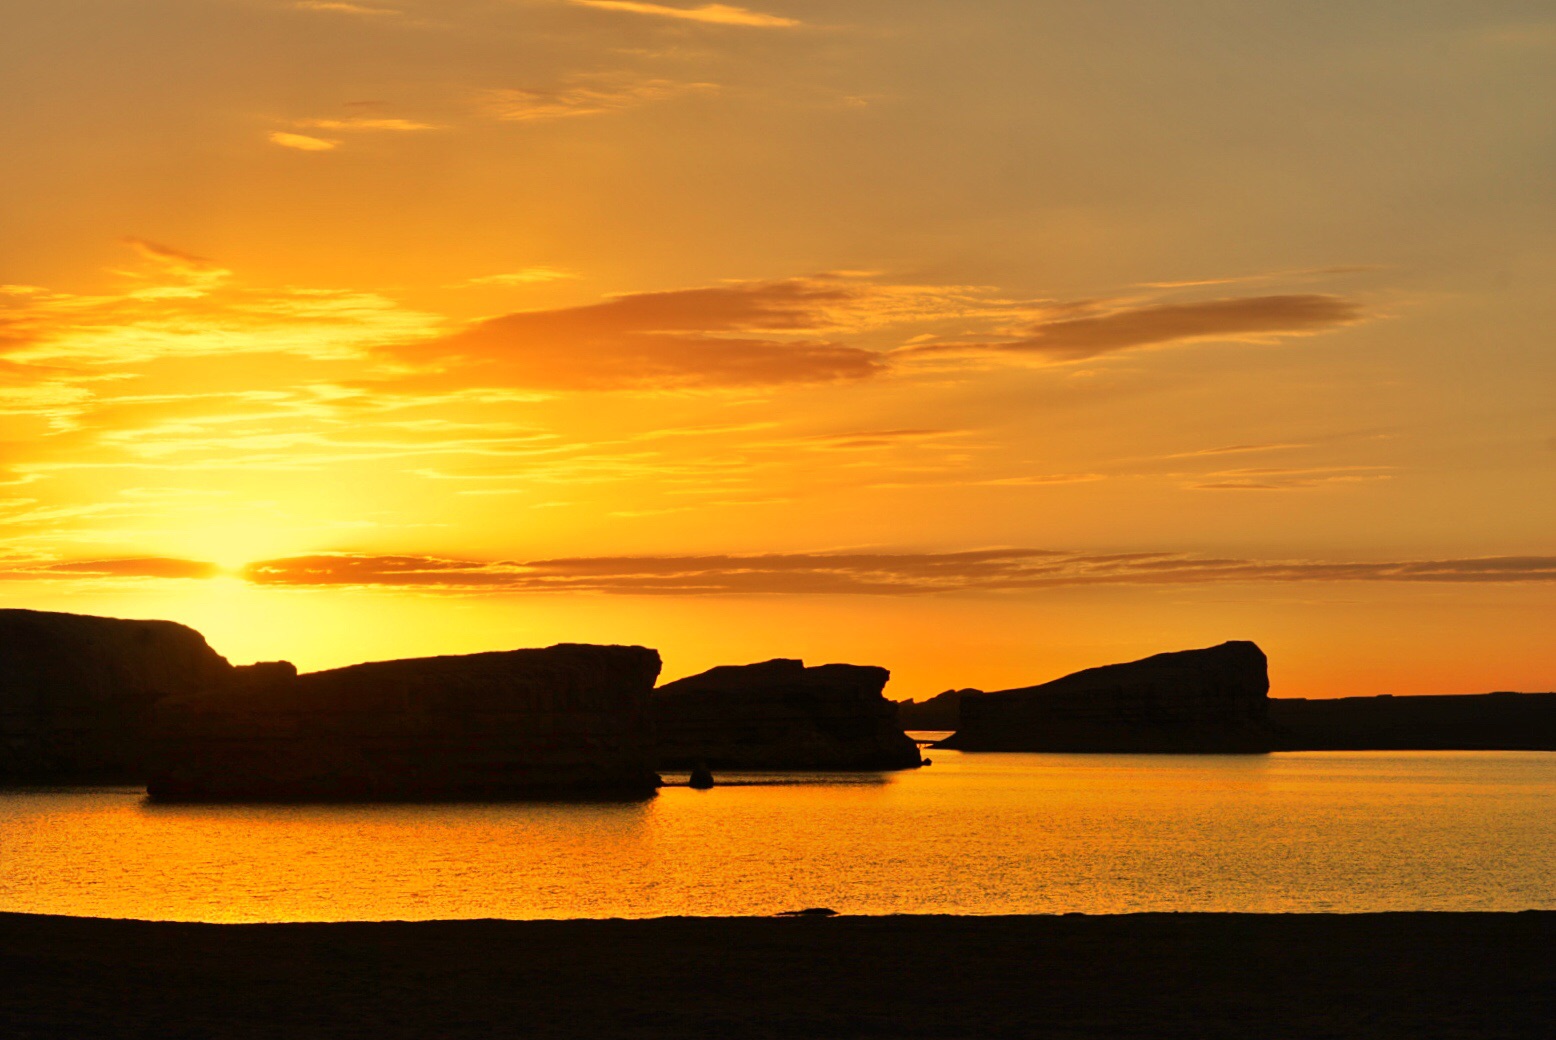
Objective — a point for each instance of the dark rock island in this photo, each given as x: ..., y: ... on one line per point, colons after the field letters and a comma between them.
x: 105, y: 700
x: 1194, y: 701
x: 781, y: 715
x: 76, y: 692
x: 568, y: 719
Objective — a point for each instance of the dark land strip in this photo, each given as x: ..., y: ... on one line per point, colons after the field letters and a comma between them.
x: 1309, y: 976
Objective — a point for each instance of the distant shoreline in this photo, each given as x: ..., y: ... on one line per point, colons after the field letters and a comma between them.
x: 1502, y: 721
x: 1140, y: 975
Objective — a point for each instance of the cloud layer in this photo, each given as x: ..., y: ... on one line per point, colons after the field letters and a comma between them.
x: 833, y: 573
x: 866, y: 573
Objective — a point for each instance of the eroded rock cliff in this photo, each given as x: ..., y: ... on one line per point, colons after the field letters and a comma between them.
x: 567, y: 719
x: 76, y: 691
x: 1212, y: 700
x: 781, y: 715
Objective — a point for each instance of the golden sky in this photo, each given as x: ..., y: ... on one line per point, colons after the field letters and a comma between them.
x: 983, y: 341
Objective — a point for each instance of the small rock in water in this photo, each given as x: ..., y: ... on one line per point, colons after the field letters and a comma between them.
x: 701, y: 779
x: 814, y: 911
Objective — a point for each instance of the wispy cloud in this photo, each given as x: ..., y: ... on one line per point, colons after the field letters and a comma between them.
x: 715, y: 14
x: 1287, y: 479
x: 367, y: 124
x: 311, y: 142
x: 302, y: 142
x: 44, y: 569
x: 587, y: 96
x: 1086, y: 330
x: 524, y: 276
x: 1235, y: 449
x: 1300, y: 274
x: 339, y: 7
x: 175, y: 303
x: 171, y: 272
x: 136, y: 567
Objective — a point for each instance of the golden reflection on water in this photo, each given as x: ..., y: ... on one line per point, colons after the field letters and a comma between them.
x: 985, y: 833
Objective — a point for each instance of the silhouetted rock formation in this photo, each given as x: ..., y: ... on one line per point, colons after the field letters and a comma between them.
x: 76, y: 691
x: 781, y: 715
x: 1469, y: 722
x: 1212, y: 701
x: 942, y: 711
x: 569, y: 719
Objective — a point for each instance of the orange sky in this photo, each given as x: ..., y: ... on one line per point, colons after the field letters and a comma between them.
x: 981, y: 341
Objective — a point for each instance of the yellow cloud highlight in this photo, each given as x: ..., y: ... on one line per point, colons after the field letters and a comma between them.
x: 302, y: 142
x: 526, y: 276
x: 716, y: 14
x: 179, y: 304
x: 176, y: 273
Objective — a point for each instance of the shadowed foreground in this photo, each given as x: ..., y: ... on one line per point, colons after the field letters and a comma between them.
x: 1148, y: 975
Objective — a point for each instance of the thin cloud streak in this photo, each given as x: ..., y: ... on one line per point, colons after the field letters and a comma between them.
x: 369, y: 124
x: 865, y: 573
x: 131, y: 567
x: 525, y: 276
x: 302, y: 142
x: 338, y: 7
x: 1079, y: 336
x: 716, y: 14
x: 587, y: 97
x: 837, y: 573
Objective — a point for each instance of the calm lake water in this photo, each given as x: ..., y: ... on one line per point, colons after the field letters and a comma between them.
x: 973, y: 834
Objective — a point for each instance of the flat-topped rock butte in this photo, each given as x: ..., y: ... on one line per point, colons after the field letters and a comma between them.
x: 1503, y: 721
x: 1213, y: 700
x: 781, y: 715
x: 76, y: 691
x: 565, y: 719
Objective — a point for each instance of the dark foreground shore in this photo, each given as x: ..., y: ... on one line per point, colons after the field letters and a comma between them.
x: 1150, y: 975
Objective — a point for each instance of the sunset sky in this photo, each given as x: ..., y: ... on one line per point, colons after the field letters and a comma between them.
x: 983, y: 340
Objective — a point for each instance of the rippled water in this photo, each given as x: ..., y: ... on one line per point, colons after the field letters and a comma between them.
x: 973, y: 834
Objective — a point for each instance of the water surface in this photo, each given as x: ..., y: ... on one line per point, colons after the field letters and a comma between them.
x: 972, y: 834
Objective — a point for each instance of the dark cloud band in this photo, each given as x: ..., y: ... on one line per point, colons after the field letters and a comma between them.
x: 867, y: 573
